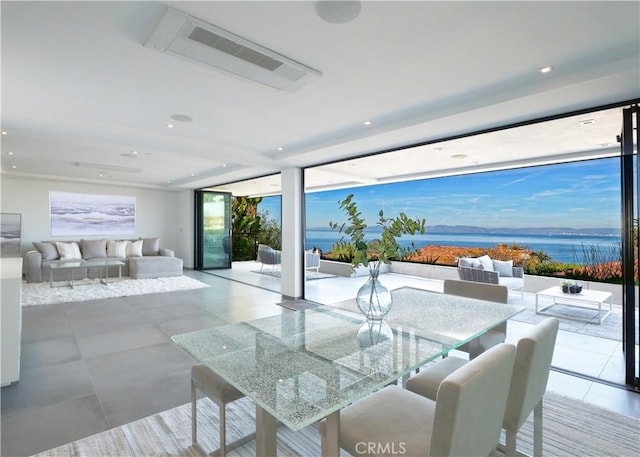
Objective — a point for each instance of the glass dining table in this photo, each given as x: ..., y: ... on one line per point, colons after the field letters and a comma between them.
x: 303, y: 366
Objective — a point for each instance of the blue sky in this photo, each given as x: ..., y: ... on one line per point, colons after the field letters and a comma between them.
x: 578, y: 195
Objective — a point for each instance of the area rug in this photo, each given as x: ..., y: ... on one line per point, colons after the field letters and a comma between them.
x: 310, y: 276
x: 88, y: 289
x: 571, y: 428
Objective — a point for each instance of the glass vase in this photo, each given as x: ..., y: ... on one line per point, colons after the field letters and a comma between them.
x: 374, y: 299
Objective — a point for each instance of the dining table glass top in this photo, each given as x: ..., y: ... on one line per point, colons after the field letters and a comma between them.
x: 301, y: 366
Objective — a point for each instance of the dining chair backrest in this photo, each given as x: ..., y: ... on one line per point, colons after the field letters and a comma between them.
x: 479, y: 290
x: 471, y: 404
x: 531, y: 372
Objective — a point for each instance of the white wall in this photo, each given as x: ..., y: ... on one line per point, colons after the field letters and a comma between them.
x: 166, y: 214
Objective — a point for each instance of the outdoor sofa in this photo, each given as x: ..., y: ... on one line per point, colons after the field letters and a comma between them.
x: 487, y: 270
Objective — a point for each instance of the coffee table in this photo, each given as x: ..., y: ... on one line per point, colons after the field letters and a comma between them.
x: 587, y: 299
x: 102, y: 265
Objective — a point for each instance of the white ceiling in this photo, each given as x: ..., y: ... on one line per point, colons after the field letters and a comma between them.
x: 79, y: 86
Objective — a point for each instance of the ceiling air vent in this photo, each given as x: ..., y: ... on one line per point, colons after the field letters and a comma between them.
x: 189, y: 37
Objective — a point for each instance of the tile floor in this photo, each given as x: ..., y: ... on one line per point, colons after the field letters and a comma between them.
x: 90, y: 366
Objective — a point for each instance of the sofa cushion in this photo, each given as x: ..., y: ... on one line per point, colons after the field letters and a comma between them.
x: 93, y: 249
x: 150, y: 246
x: 503, y: 267
x: 68, y: 251
x: 117, y: 249
x: 49, y: 251
x: 512, y: 282
x: 469, y: 262
x: 486, y: 262
x: 154, y: 267
x: 134, y: 248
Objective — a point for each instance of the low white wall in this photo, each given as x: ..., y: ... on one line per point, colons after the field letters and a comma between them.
x: 344, y: 269
x: 531, y: 283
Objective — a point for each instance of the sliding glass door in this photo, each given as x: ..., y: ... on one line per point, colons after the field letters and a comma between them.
x: 213, y: 230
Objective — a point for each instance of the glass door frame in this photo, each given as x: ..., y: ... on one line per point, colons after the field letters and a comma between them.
x: 630, y: 252
x: 199, y: 235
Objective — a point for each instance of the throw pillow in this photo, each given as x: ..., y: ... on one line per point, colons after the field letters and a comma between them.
x: 486, y: 262
x: 465, y: 262
x: 469, y: 262
x: 93, y: 249
x: 134, y: 248
x: 150, y: 246
x: 503, y: 267
x: 68, y: 251
x: 117, y: 249
x: 47, y: 250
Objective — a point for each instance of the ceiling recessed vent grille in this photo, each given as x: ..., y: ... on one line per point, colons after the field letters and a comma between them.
x: 186, y: 36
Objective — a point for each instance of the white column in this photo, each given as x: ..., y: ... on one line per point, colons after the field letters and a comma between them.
x: 292, y: 279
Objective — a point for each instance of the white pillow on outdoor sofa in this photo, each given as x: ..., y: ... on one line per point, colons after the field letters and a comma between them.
x: 469, y: 262
x: 486, y: 262
x: 503, y: 267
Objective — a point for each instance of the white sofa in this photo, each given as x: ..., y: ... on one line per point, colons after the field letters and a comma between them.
x: 487, y: 270
x: 143, y: 258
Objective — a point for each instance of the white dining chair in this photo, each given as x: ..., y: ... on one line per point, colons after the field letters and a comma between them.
x: 464, y: 420
x: 529, y: 381
x: 480, y: 291
x: 221, y: 393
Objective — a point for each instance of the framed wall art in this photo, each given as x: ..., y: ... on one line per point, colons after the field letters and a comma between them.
x: 10, y: 234
x: 74, y: 214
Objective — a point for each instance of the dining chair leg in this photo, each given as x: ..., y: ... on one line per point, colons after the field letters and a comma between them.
x: 537, y: 430
x: 223, y: 429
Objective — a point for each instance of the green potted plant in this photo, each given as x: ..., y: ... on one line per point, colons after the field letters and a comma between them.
x: 373, y: 299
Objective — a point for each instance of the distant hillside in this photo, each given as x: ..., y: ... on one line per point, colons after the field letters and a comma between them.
x: 503, y: 230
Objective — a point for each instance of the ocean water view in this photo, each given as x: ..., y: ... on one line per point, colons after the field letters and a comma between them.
x: 561, y: 248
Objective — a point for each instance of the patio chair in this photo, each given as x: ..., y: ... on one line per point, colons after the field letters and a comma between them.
x: 312, y: 261
x: 268, y: 256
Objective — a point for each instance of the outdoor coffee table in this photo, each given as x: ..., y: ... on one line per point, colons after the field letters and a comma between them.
x: 587, y: 299
x: 103, y: 266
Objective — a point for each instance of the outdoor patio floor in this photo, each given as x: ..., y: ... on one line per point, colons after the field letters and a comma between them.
x: 580, y: 347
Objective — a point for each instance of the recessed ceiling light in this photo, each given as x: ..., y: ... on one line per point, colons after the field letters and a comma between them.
x: 4, y: 133
x: 224, y: 165
x: 280, y: 148
x: 13, y: 166
x: 545, y: 69
x: 459, y: 156
x: 10, y: 153
x: 439, y: 148
x: 170, y: 126
x: 588, y: 122
x: 193, y: 174
x: 604, y: 145
x: 367, y: 122
x: 134, y: 152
